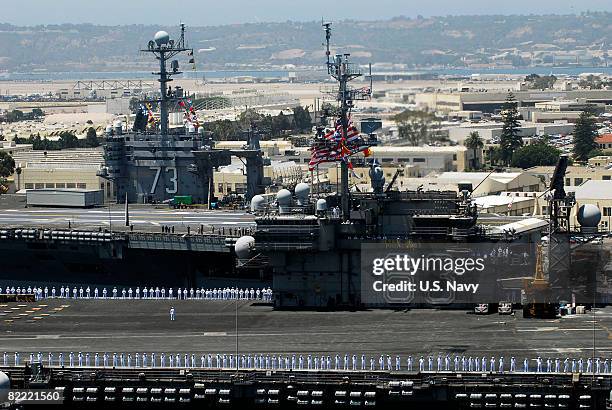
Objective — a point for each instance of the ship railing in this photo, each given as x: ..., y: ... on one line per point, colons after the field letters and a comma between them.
x: 290, y: 230
x: 284, y: 246
x: 60, y: 235
x: 429, y: 230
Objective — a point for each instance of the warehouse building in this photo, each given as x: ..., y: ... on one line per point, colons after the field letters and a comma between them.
x: 491, y: 102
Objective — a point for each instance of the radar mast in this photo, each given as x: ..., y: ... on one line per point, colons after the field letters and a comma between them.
x: 343, y: 71
x: 164, y: 49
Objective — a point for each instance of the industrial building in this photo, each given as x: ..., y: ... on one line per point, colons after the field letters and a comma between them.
x: 232, y: 179
x: 428, y: 159
x: 493, y: 130
x: 491, y: 102
x: 71, y: 169
x: 12, y: 148
x: 512, y: 204
x: 559, y: 110
x: 575, y: 175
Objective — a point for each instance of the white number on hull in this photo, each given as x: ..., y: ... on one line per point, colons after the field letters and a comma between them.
x: 156, y: 180
x: 174, y: 179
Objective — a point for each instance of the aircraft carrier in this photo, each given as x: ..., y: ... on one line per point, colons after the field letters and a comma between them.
x: 310, y: 245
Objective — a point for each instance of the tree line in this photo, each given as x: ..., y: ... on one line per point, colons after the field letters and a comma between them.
x: 18, y: 115
x: 66, y: 140
x: 270, y: 126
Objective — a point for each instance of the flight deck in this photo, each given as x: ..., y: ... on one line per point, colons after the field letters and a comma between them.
x: 203, y: 326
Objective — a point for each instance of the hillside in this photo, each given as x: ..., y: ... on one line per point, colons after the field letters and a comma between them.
x: 416, y: 42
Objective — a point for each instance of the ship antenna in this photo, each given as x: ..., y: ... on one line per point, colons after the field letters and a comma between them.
x: 343, y: 71
x: 164, y: 49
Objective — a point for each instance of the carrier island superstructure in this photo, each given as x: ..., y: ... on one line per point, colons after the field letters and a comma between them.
x: 155, y: 162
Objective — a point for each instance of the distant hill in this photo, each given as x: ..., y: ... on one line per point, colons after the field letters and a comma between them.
x: 416, y: 42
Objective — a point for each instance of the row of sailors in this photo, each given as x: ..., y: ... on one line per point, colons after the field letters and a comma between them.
x: 315, y: 362
x: 146, y: 293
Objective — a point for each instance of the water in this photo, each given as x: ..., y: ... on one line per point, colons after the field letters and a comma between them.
x: 146, y: 75
x: 134, y: 75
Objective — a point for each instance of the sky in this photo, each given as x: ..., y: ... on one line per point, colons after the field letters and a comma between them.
x: 219, y: 12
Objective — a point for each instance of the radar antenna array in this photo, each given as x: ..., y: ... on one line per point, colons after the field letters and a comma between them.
x: 164, y: 49
x: 340, y: 68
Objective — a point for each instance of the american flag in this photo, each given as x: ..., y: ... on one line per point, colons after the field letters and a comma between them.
x: 337, y: 147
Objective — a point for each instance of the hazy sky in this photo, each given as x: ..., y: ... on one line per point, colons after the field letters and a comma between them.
x: 209, y: 12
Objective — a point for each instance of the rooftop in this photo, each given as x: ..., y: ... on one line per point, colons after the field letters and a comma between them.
x: 593, y: 189
x: 428, y: 149
x: 478, y: 177
x: 604, y: 139
x: 490, y: 201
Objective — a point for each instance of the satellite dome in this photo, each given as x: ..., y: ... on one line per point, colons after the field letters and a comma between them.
x: 243, y: 247
x: 161, y: 38
x: 302, y: 192
x: 283, y: 197
x: 5, y: 385
x: 257, y: 203
x: 321, y: 205
x: 589, y: 216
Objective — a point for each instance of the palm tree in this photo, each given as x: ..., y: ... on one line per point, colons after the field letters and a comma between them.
x: 475, y: 143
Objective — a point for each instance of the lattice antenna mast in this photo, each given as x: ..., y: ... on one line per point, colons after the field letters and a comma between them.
x: 343, y: 71
x: 164, y: 49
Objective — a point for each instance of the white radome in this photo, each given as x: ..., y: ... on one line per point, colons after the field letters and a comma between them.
x: 5, y: 385
x: 243, y: 247
x: 589, y: 215
x: 257, y: 203
x: 161, y: 38
x: 284, y: 197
